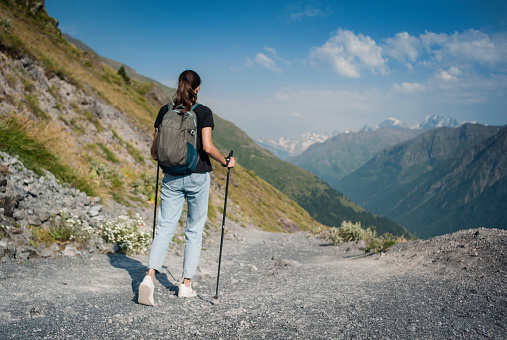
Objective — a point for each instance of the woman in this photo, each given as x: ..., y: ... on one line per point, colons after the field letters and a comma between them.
x: 194, y: 187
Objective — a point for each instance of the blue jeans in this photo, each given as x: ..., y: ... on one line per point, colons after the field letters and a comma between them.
x: 195, y: 188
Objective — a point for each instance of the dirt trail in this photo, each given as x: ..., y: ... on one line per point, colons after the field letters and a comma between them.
x: 272, y: 286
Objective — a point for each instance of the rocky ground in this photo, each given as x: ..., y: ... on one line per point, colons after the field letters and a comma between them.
x: 28, y: 200
x: 272, y: 286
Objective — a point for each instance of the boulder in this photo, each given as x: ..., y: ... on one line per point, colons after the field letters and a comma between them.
x: 10, y: 196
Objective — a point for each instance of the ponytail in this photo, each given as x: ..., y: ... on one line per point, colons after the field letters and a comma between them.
x: 185, y: 94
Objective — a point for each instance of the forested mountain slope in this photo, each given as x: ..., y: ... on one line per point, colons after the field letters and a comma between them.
x: 442, y: 181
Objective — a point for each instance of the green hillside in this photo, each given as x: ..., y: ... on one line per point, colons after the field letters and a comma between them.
x: 442, y: 181
x: 324, y: 203
x: 342, y: 154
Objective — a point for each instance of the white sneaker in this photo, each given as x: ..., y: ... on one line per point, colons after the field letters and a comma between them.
x: 146, y: 289
x: 184, y: 291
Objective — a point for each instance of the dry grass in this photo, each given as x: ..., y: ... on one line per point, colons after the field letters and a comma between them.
x: 257, y: 202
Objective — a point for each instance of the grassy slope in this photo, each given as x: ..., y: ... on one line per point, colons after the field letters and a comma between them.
x: 37, y: 36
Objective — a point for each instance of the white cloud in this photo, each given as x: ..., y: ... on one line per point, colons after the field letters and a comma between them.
x: 408, y: 88
x: 451, y: 74
x: 276, y: 56
x: 347, y: 53
x: 264, y: 60
x: 309, y: 12
x: 469, y: 46
x: 267, y: 62
x: 299, y: 12
x: 403, y: 47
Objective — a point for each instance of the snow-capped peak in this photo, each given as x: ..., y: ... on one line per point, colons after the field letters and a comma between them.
x: 434, y: 121
x: 392, y: 123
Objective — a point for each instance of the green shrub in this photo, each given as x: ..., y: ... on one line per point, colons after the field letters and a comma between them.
x: 123, y: 74
x: 367, y: 239
x: 65, y: 228
x: 6, y: 25
x: 27, y: 85
x: 350, y: 232
x: 124, y: 231
x: 381, y: 243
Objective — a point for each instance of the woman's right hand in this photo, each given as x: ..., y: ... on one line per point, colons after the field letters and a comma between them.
x: 232, y: 162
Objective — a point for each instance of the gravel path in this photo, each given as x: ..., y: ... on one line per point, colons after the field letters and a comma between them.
x: 272, y: 286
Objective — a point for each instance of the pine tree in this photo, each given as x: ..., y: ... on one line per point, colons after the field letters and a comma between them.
x: 123, y: 74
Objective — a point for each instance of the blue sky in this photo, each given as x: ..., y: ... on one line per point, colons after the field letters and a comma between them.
x: 285, y: 68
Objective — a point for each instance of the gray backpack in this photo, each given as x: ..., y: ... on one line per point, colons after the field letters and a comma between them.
x: 177, y: 141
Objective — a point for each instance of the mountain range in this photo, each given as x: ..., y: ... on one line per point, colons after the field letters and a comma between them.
x: 285, y: 148
x: 340, y: 155
x: 443, y: 180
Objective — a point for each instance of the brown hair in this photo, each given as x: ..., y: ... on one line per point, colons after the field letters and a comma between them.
x: 185, y: 94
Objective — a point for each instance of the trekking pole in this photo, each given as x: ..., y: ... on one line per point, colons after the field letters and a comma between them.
x: 156, y: 196
x: 223, y: 224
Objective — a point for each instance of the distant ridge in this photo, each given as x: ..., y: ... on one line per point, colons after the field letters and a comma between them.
x: 285, y: 148
x: 439, y: 182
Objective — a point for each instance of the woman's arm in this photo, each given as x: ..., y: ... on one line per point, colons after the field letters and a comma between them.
x: 153, y: 150
x: 212, y: 151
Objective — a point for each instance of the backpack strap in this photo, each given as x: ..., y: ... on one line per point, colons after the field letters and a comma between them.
x: 193, y: 107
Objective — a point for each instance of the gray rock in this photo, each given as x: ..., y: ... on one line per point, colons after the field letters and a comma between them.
x: 24, y: 252
x: 54, y: 247
x: 22, y: 223
x: 34, y: 220
x: 26, y: 62
x: 68, y: 252
x: 95, y: 210
x: 10, y: 196
x: 45, y: 252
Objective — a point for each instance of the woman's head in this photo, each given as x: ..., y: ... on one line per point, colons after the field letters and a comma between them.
x: 188, y: 86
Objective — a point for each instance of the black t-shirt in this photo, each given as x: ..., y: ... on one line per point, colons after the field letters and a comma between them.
x: 204, y: 119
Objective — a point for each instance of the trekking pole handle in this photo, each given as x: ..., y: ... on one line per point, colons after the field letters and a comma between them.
x: 228, y: 159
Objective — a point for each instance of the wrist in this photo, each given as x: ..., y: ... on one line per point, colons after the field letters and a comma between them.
x: 227, y: 160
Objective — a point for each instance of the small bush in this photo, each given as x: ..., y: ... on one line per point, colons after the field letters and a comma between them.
x: 381, y: 243
x: 65, y: 228
x: 368, y: 239
x: 6, y: 25
x: 350, y: 232
x: 124, y: 231
x: 27, y: 85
